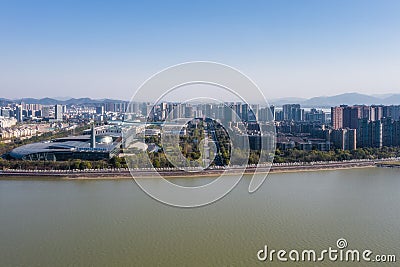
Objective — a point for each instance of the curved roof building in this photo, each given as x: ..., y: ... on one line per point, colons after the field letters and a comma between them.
x: 73, y: 147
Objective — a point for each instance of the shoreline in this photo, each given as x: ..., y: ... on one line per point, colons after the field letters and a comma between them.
x: 116, y: 175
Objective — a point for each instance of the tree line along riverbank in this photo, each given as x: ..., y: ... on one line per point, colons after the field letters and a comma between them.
x: 159, y: 159
x: 120, y: 173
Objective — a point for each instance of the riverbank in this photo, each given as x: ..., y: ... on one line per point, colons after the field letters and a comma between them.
x: 390, y: 164
x: 170, y: 173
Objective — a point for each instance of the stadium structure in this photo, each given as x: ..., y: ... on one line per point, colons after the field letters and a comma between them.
x: 89, y: 146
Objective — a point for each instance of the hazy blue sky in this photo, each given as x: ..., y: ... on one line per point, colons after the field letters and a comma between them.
x: 289, y: 48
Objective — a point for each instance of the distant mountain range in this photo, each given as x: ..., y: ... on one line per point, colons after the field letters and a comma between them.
x: 321, y: 101
x: 53, y: 101
x: 342, y: 99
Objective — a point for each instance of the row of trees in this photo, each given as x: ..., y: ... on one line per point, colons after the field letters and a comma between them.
x: 294, y: 155
x: 190, y: 143
x: 159, y: 159
x: 76, y: 164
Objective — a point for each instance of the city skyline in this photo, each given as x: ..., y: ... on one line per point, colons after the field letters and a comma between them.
x: 297, y: 49
x: 345, y: 127
x: 313, y: 102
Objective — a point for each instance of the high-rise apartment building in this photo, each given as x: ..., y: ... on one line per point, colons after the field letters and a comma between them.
x: 245, y: 112
x: 392, y: 112
x: 351, y: 115
x: 100, y: 110
x: 58, y: 112
x: 345, y: 139
x: 337, y: 117
x: 376, y: 113
x: 315, y: 116
x: 390, y: 132
x: 7, y: 112
x: 348, y: 116
x: 229, y: 113
x: 266, y: 114
x: 45, y: 111
x: 292, y: 112
x: 18, y: 113
x: 369, y: 133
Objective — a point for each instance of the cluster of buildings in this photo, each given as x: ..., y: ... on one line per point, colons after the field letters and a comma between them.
x: 28, y: 112
x: 294, y: 112
x: 23, y: 112
x: 341, y: 127
x: 344, y: 127
x: 349, y: 116
x: 231, y: 112
x: 9, y: 129
x: 7, y: 122
x: 17, y: 132
x: 365, y: 126
x: 228, y: 112
x: 123, y: 110
x: 27, y: 130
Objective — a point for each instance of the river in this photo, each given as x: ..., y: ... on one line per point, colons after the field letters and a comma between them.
x: 48, y: 222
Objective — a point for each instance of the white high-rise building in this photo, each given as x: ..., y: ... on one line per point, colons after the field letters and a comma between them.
x: 58, y: 112
x: 18, y: 113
